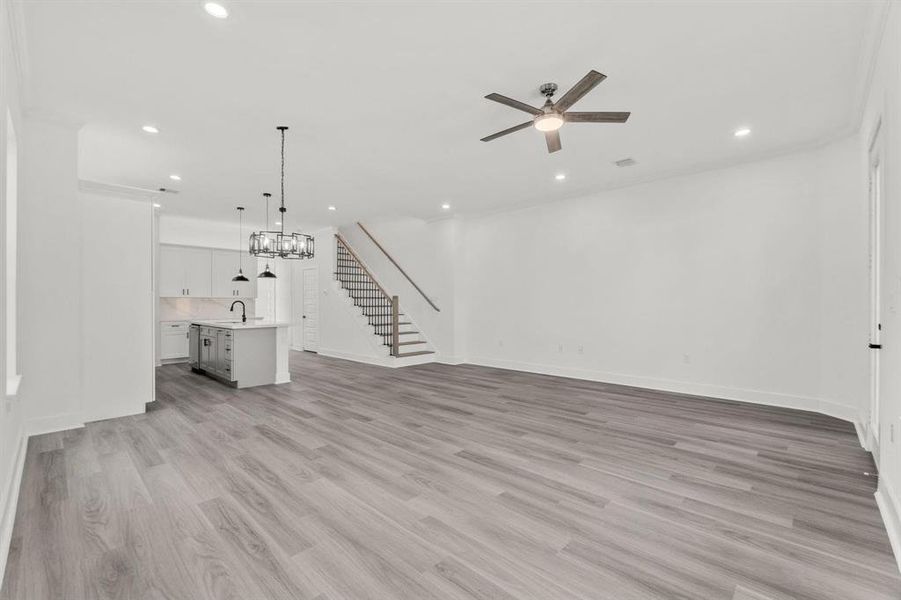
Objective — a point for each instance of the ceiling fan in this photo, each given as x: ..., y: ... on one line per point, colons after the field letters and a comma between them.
x: 551, y: 117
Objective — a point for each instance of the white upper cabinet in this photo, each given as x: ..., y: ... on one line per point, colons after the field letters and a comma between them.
x: 198, y: 272
x: 205, y: 273
x: 185, y: 272
x: 172, y: 272
x: 225, y: 267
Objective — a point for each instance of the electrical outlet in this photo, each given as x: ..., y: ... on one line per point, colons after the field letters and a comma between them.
x: 560, y: 348
x: 500, y: 343
x: 686, y: 359
x: 581, y: 349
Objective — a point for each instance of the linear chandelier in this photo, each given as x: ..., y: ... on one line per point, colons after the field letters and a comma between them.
x: 278, y: 244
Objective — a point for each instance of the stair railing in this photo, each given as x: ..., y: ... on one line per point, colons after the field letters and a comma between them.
x: 382, y: 310
x: 399, y: 268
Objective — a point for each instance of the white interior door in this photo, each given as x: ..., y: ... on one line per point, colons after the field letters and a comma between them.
x: 310, y: 308
x: 876, y: 246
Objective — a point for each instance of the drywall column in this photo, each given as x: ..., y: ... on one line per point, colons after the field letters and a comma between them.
x: 12, y: 438
x: 50, y: 276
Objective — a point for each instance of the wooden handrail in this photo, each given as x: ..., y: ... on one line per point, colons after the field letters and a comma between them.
x: 399, y: 268
x: 362, y: 266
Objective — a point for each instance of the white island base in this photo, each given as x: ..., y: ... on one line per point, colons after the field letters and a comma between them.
x: 240, y: 354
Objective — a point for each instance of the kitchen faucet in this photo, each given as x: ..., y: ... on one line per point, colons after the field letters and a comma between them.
x: 243, y: 310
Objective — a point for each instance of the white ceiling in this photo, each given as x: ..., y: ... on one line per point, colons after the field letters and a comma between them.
x: 385, y: 100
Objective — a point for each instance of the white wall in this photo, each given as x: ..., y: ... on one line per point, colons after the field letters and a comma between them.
x: 746, y: 283
x: 189, y: 231
x: 12, y: 430
x: 50, y: 280
x: 884, y: 104
x: 117, y: 306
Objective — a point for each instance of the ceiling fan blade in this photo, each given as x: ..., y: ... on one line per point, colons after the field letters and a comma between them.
x: 494, y: 136
x: 596, y: 117
x: 553, y: 140
x: 585, y: 85
x: 514, y: 103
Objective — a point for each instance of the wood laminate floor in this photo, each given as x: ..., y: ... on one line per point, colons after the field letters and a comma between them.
x: 439, y: 482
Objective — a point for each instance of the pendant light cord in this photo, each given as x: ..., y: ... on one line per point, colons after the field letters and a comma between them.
x: 240, y: 236
x: 282, y: 210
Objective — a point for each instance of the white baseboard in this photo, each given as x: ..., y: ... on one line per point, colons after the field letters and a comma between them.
x: 833, y: 409
x: 890, y: 509
x: 381, y: 361
x: 861, y: 434
x: 449, y: 360
x: 53, y: 423
x: 8, y: 514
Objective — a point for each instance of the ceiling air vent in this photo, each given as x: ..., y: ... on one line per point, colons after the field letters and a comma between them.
x: 626, y: 162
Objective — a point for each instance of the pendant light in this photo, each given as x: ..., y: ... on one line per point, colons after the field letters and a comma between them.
x: 278, y: 243
x: 240, y: 276
x: 266, y: 274
x: 263, y: 243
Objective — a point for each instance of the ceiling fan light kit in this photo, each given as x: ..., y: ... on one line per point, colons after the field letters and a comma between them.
x: 548, y: 122
x: 551, y: 117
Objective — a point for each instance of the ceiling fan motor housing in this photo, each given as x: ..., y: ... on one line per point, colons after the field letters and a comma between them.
x: 548, y: 89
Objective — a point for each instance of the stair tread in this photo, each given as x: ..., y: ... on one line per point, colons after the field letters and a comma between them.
x: 406, y: 332
x: 409, y: 343
x: 417, y: 353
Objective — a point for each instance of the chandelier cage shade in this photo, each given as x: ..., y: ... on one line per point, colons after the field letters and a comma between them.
x: 240, y: 276
x: 278, y: 244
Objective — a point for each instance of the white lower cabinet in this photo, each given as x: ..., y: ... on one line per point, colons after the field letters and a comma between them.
x: 174, y: 340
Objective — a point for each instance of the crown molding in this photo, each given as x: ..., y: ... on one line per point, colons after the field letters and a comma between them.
x: 119, y: 191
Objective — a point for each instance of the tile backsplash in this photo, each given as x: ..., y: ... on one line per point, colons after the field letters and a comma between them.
x: 186, y: 309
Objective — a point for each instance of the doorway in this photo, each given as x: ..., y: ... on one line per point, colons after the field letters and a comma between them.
x: 875, y: 268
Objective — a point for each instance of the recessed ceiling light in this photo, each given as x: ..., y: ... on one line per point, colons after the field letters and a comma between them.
x: 216, y: 10
x: 445, y: 206
x: 742, y: 132
x: 332, y: 208
x: 175, y: 177
x: 559, y: 176
x: 150, y: 129
x: 155, y: 205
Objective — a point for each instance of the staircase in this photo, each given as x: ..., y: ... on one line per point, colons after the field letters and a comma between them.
x: 382, y: 311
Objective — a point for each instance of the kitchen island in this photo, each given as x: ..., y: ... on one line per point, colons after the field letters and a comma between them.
x: 240, y: 354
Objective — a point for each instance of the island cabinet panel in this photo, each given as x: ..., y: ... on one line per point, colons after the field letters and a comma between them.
x: 240, y: 355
